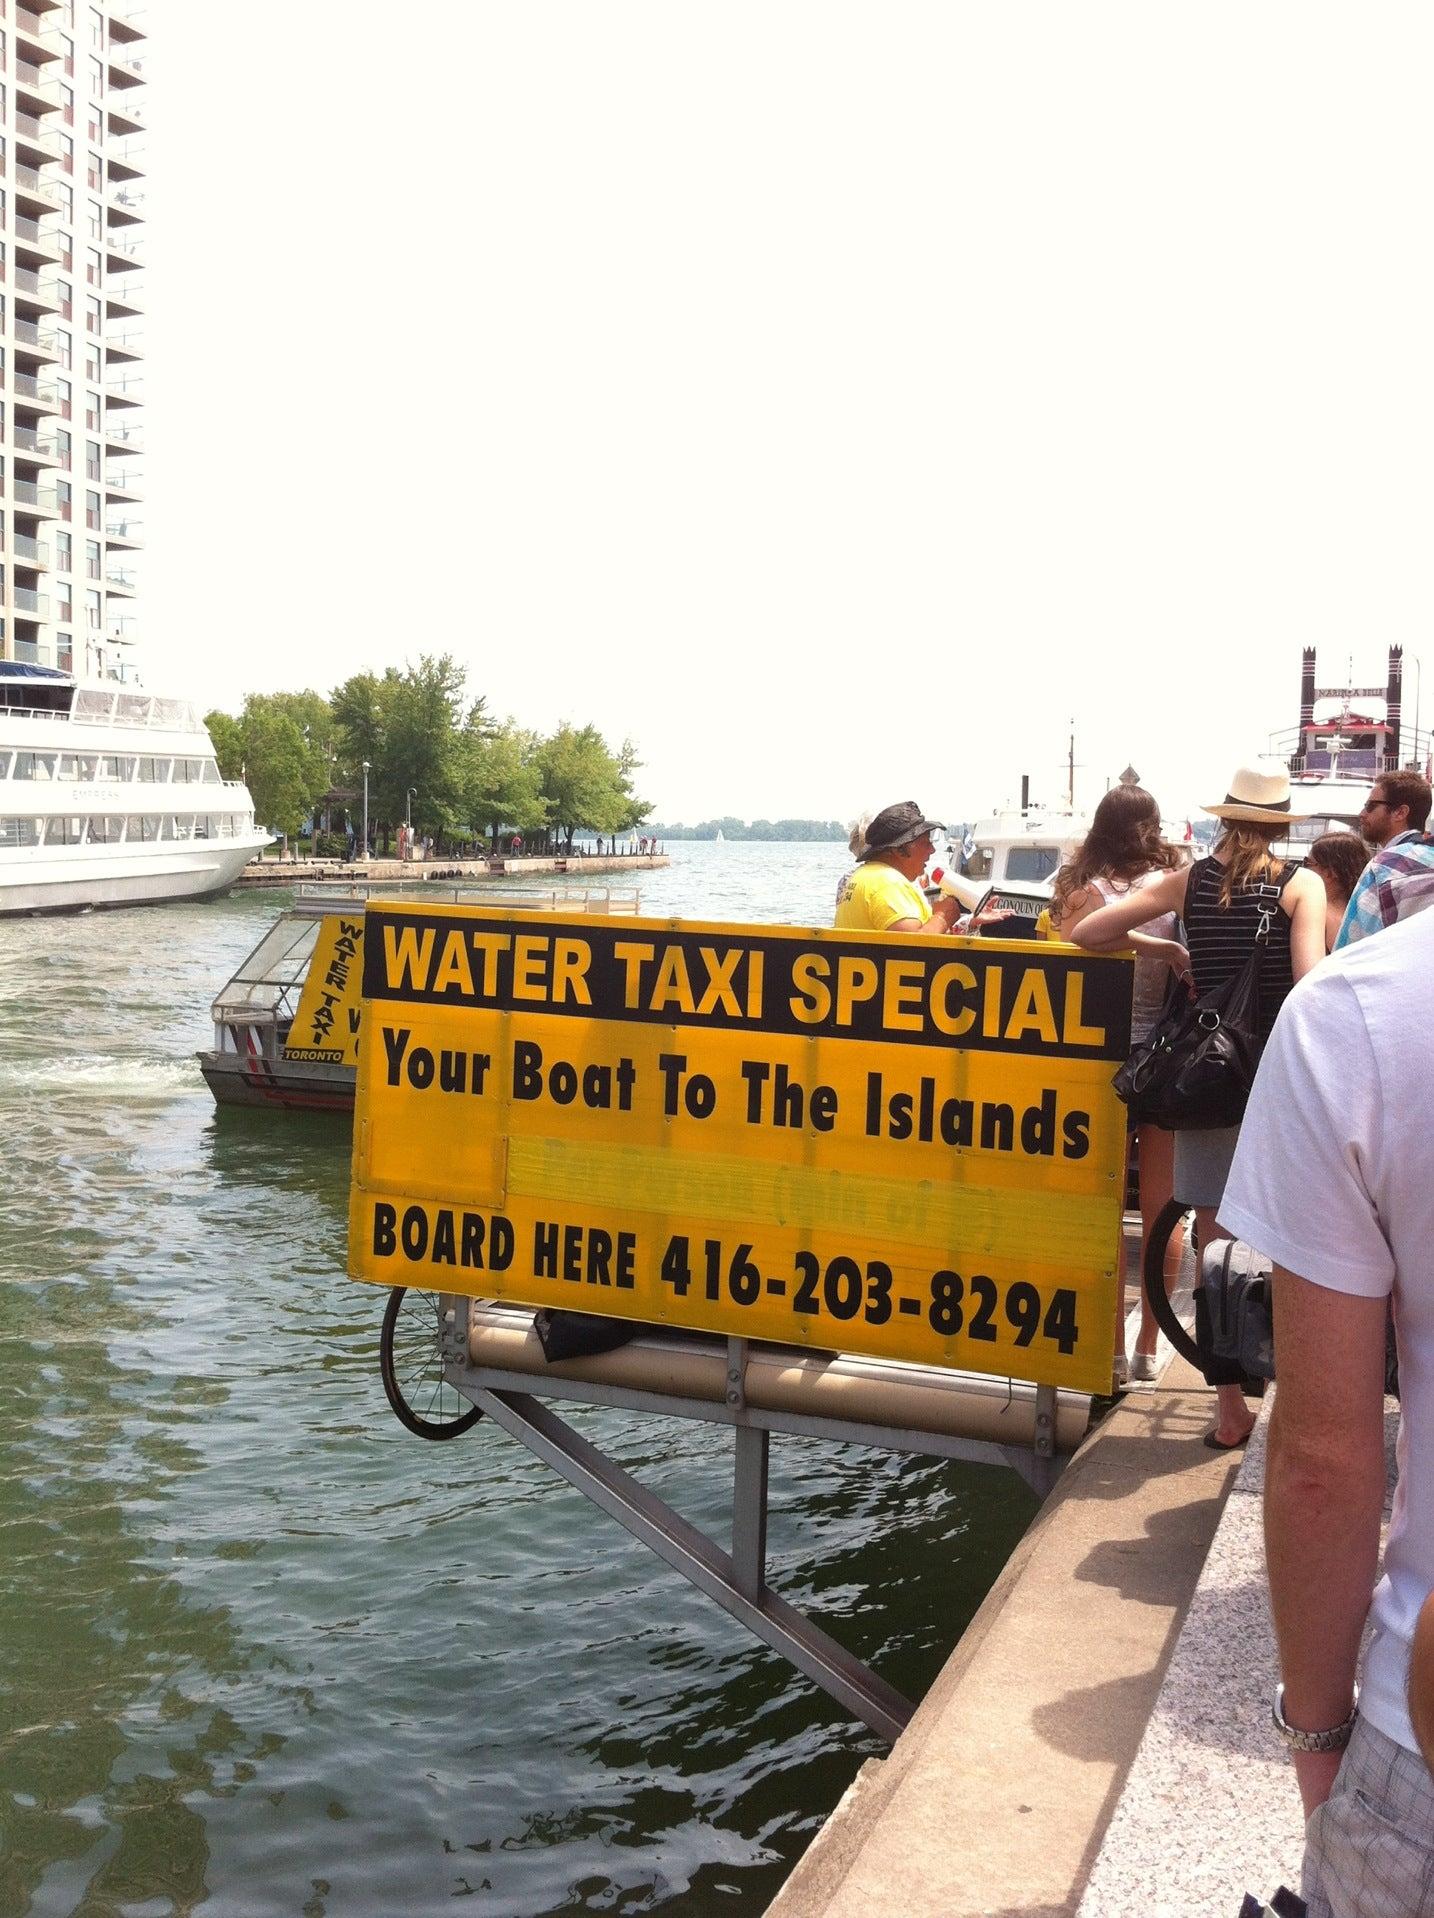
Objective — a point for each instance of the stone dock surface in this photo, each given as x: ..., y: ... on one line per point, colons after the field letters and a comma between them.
x: 998, y: 1794
x: 314, y: 873
x: 1099, y: 1743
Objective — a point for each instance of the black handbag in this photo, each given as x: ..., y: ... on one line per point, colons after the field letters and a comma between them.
x: 1194, y: 1072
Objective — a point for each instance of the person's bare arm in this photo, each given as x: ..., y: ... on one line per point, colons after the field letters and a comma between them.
x: 1111, y: 928
x: 1324, y: 1495
x: 1305, y: 895
x: 944, y: 912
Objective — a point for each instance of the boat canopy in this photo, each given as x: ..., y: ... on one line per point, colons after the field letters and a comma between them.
x: 268, y: 982
x: 29, y: 669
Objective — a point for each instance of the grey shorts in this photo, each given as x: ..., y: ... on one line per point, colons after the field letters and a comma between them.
x: 1369, y: 1848
x: 1202, y: 1164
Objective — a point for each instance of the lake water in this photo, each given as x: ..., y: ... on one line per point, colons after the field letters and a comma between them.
x: 262, y: 1652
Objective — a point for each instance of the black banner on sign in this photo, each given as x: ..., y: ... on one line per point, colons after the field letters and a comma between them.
x: 984, y: 995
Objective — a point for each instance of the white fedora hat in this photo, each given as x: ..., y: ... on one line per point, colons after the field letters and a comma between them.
x: 1256, y: 797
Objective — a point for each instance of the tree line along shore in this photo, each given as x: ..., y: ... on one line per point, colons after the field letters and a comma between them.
x: 428, y: 754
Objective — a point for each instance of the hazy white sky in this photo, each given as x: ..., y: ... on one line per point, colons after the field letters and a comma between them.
x: 835, y: 398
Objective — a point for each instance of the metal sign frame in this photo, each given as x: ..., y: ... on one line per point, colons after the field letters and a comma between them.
x: 735, y: 1579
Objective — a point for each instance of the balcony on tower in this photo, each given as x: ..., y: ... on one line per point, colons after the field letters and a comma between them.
x: 124, y: 533
x: 35, y: 90
x: 125, y: 160
x: 35, y: 502
x: 123, y: 438
x: 124, y: 206
x: 35, y: 193
x: 123, y: 115
x: 31, y: 31
x: 124, y: 297
x: 35, y: 141
x: 121, y: 487
x: 124, y: 32
x: 29, y: 555
x: 30, y: 448
x: 127, y: 391
x: 123, y: 347
x: 31, y: 397
x: 121, y: 250
x: 36, y: 245
x: 126, y: 65
x: 31, y: 294
x: 34, y: 346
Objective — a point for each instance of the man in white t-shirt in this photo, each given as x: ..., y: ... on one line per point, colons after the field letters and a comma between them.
x: 1333, y: 1181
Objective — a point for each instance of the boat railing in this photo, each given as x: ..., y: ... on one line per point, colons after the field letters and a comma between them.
x: 1415, y: 746
x: 31, y: 712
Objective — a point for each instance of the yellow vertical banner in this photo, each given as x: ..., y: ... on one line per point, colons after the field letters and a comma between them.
x: 325, y: 1028
x: 908, y: 1148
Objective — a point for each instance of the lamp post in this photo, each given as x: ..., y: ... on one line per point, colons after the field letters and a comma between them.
x: 1418, y: 679
x: 408, y: 818
x: 365, y: 810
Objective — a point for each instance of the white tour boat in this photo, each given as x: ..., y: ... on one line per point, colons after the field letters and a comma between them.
x: 110, y: 796
x: 1011, y: 858
x: 1347, y: 737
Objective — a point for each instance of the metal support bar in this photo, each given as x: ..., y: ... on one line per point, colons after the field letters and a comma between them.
x: 455, y: 1317
x: 882, y: 1438
x: 698, y: 1559
x: 1044, y: 1472
x: 749, y: 1511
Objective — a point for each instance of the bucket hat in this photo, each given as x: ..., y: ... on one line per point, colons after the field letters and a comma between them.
x: 1257, y: 798
x: 898, y: 825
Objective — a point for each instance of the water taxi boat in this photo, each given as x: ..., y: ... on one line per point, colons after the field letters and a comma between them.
x: 286, y: 1025
x: 110, y: 796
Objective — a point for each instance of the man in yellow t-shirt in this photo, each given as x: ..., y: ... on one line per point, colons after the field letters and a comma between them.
x: 882, y: 894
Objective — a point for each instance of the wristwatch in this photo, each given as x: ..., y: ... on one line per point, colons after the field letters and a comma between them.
x: 1333, y: 1740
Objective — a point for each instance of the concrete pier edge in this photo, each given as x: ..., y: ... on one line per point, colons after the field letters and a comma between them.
x: 997, y: 1797
x: 340, y: 873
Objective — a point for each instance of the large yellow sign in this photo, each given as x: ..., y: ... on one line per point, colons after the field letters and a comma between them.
x: 326, y: 1020
x: 908, y: 1148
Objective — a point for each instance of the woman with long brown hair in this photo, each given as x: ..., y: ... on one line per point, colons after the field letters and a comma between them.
x: 1122, y: 856
x: 1240, y: 894
x: 1339, y: 858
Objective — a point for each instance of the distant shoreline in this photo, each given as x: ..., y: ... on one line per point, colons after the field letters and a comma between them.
x: 826, y: 831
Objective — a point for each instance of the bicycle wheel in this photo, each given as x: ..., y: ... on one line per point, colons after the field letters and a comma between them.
x: 1170, y: 1215
x: 411, y: 1363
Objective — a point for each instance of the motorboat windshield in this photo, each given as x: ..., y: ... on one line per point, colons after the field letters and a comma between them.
x: 270, y: 979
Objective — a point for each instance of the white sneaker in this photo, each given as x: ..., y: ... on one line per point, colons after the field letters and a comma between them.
x: 1143, y: 1367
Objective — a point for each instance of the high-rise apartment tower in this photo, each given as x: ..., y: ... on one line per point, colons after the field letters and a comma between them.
x: 71, y: 212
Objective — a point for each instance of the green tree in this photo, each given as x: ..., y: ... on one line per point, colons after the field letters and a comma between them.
x: 588, y: 785
x: 502, y: 783
x: 228, y: 737
x: 422, y: 748
x: 277, y: 766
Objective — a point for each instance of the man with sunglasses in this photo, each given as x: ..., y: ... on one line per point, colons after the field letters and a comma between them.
x: 1399, y: 880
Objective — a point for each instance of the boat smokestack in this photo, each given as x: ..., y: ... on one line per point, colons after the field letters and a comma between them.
x: 1025, y: 792
x: 1393, y: 700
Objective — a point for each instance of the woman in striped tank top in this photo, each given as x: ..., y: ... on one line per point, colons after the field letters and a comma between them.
x: 1225, y: 902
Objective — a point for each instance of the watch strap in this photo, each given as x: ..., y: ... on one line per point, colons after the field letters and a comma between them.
x: 1333, y: 1740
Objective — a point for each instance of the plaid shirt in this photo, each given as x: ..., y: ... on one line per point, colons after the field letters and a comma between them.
x: 1397, y: 882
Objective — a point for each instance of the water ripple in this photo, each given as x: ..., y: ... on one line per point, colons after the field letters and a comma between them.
x: 261, y: 1650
